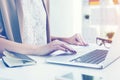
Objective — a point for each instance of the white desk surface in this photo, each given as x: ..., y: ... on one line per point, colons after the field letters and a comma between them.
x: 45, y: 71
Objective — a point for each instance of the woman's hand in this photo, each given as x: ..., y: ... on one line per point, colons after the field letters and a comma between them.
x: 76, y: 40
x: 57, y: 45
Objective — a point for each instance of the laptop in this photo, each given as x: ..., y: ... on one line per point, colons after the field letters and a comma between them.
x: 100, y: 58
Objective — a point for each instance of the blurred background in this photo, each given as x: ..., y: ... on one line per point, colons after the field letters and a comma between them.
x: 91, y: 18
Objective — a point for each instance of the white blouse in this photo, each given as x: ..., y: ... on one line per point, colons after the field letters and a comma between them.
x: 34, y: 22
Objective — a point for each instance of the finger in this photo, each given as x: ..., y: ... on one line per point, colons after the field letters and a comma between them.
x: 64, y: 46
x: 61, y: 48
x: 80, y: 41
x: 68, y: 48
x: 81, y: 44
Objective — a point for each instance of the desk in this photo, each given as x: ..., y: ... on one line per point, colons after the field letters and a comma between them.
x: 45, y: 71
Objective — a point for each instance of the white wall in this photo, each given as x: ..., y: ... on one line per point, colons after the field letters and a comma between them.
x: 67, y: 17
x: 63, y: 19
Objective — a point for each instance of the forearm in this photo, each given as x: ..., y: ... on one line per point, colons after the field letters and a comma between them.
x: 20, y: 48
x: 59, y: 38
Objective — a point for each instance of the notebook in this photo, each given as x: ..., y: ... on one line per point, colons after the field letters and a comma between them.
x: 13, y: 59
x: 98, y: 58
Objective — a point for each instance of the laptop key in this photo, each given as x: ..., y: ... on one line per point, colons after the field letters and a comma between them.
x: 93, y: 57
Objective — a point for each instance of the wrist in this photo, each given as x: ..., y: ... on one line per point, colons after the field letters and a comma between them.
x: 42, y: 50
x: 60, y: 38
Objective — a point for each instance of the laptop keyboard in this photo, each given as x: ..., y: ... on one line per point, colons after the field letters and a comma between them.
x: 93, y: 57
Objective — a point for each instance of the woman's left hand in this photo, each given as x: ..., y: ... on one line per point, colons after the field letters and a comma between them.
x: 76, y: 40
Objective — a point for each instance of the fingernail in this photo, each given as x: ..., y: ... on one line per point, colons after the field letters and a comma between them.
x: 66, y: 50
x: 74, y: 52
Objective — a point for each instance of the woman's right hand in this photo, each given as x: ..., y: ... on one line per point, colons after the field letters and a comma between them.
x: 56, y: 45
